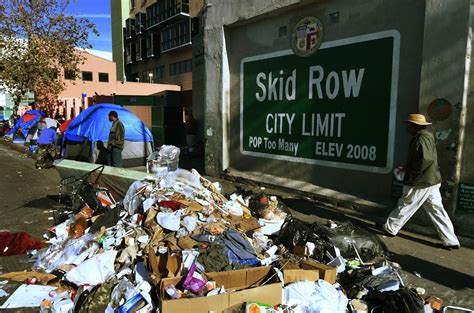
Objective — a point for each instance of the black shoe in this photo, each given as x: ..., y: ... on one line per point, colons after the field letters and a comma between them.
x: 449, y: 248
x: 383, y: 230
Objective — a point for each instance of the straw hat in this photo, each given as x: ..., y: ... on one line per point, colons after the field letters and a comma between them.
x: 418, y: 119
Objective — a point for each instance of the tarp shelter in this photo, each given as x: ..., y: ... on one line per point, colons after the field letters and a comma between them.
x: 26, y: 124
x: 86, y: 137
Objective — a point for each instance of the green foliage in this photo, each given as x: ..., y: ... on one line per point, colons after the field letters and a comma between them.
x: 38, y: 40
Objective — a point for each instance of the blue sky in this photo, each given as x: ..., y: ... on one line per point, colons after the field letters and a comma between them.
x: 98, y: 12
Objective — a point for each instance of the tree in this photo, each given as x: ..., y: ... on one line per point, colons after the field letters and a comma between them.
x: 39, y: 40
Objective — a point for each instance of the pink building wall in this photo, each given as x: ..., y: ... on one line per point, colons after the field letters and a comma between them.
x: 72, y: 96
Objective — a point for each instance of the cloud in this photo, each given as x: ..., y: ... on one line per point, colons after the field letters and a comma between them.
x: 107, y: 16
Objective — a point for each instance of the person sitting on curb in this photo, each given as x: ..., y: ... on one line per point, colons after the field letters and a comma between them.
x: 46, y: 153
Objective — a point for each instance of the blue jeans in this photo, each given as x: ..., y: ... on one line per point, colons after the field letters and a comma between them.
x: 115, y: 157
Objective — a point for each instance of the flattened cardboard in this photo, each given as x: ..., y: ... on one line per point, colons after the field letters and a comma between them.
x: 234, y: 283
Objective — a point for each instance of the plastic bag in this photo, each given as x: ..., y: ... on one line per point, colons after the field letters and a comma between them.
x: 353, y: 242
x: 404, y: 300
x: 194, y: 281
x: 295, y: 232
x: 167, y: 156
x: 69, y: 251
x: 93, y: 271
x: 132, y: 201
x: 169, y: 221
x: 315, y: 297
x: 123, y: 290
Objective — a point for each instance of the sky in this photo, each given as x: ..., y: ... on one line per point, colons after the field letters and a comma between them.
x: 98, y: 12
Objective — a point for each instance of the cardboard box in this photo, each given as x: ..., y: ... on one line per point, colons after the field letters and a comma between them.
x: 240, y: 285
x: 162, y: 265
x: 294, y: 275
x: 325, y: 272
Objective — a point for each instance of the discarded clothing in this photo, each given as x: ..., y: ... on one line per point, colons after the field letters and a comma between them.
x: 214, y: 259
x: 18, y: 243
x: 238, y: 244
x: 97, y: 300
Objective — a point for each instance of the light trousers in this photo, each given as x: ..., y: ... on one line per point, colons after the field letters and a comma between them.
x: 430, y: 198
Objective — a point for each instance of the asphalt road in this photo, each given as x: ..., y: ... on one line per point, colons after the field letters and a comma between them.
x: 29, y: 201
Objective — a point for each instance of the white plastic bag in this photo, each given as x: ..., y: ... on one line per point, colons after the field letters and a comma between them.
x: 315, y: 297
x: 94, y: 271
x: 170, y: 221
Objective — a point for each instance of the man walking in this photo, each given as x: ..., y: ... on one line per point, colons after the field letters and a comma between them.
x: 116, y: 140
x: 421, y: 185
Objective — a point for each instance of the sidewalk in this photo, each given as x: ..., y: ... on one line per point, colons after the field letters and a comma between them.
x: 348, y: 205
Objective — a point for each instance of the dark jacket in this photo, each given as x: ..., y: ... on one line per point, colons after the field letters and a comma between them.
x: 116, y: 135
x: 422, y: 168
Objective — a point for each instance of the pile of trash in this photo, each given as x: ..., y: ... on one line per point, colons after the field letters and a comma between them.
x: 178, y: 243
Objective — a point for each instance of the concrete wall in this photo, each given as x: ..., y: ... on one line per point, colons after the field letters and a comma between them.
x: 433, y: 64
x: 467, y: 173
x: 119, y: 10
x: 243, y: 36
x: 444, y: 75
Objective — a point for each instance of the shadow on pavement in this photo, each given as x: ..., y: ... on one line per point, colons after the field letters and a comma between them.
x: 308, y: 207
x: 44, y: 203
x: 434, y: 272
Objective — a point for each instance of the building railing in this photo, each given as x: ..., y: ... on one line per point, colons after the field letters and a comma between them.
x: 140, y: 23
x: 176, y: 35
x: 165, y: 11
x: 129, y: 28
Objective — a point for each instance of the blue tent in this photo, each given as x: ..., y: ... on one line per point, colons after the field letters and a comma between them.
x: 86, y: 137
x: 26, y: 122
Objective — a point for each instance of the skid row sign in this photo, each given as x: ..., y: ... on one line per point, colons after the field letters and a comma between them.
x: 335, y: 108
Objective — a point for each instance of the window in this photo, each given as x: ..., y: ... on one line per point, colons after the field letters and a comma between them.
x: 132, y: 4
x: 140, y: 49
x: 140, y: 23
x: 69, y: 75
x: 87, y: 76
x: 129, y: 28
x: 159, y: 72
x: 189, y: 65
x: 148, y: 76
x: 130, y: 52
x: 176, y: 35
x: 180, y: 67
x: 104, y: 77
x: 152, y: 45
